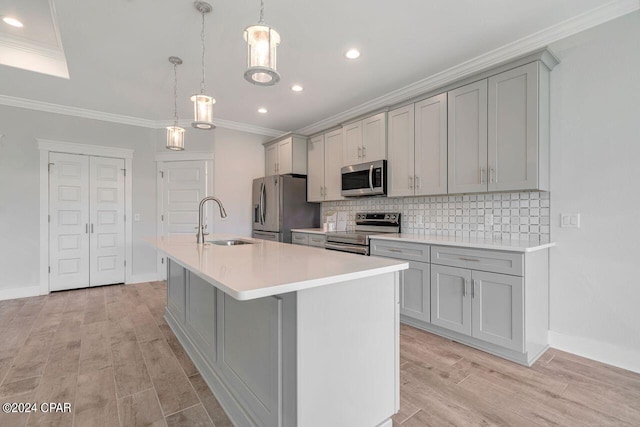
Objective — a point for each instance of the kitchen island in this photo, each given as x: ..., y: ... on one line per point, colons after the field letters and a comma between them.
x: 286, y: 335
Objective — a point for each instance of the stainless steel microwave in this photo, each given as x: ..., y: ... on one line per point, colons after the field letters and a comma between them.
x: 365, y: 179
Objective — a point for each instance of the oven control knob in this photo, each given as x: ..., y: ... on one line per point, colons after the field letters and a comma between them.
x: 386, y: 217
x: 393, y: 217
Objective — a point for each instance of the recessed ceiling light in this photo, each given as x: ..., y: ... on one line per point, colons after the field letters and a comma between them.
x: 296, y: 88
x: 12, y: 21
x: 262, y: 110
x: 352, y: 53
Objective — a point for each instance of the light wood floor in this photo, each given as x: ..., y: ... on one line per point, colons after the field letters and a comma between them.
x: 109, y: 353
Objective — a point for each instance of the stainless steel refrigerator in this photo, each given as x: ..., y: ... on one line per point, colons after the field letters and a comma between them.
x: 280, y: 204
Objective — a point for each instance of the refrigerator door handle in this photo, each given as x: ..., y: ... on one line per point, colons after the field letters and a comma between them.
x: 263, y: 203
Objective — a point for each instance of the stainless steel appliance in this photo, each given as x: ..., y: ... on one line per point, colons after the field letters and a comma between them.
x: 280, y: 204
x: 367, y: 224
x: 365, y: 179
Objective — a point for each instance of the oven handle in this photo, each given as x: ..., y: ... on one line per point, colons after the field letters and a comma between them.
x: 360, y: 250
x: 371, y: 177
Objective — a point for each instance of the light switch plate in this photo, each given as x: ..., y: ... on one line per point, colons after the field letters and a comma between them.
x: 570, y: 220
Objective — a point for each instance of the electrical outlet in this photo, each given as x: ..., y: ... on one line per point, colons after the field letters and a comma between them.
x: 136, y: 217
x: 570, y: 220
x: 488, y: 219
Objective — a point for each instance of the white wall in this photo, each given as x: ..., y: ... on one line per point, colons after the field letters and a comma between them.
x: 238, y: 159
x: 595, y: 156
x: 19, y: 189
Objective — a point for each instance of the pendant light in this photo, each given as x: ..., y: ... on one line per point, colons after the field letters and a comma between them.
x: 262, y: 42
x: 175, y: 134
x: 203, y: 104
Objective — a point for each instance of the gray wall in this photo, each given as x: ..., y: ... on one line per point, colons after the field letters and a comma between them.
x: 595, y: 147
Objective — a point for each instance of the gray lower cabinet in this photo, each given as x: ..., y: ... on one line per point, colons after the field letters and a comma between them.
x: 200, y: 315
x: 308, y: 239
x: 496, y: 301
x: 415, y: 294
x: 486, y: 306
x: 176, y: 289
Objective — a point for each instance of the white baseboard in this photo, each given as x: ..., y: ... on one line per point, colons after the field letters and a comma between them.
x: 610, y: 354
x: 23, y: 292
x: 147, y: 277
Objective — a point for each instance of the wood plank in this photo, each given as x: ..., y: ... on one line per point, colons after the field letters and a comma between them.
x: 95, y: 352
x: 210, y: 403
x: 96, y: 399
x: 195, y: 416
x: 172, y: 386
x: 129, y: 367
x: 141, y: 409
x: 184, y: 360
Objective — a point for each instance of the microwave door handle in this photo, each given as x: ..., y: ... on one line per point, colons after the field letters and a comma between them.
x: 371, y: 177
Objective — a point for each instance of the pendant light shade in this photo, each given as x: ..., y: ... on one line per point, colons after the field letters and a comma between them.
x: 175, y: 138
x: 203, y: 104
x: 203, y: 111
x: 262, y: 43
x: 175, y: 134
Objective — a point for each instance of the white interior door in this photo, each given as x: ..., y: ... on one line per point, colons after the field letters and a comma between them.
x: 68, y: 221
x: 106, y: 206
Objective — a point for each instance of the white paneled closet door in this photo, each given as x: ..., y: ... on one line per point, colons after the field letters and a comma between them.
x: 68, y: 221
x: 86, y: 225
x: 106, y: 202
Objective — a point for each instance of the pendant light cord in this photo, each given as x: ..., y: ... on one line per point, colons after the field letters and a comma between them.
x: 261, y: 12
x: 203, y: 50
x: 175, y: 95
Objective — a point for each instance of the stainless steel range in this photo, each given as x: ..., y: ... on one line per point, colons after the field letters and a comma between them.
x: 367, y: 224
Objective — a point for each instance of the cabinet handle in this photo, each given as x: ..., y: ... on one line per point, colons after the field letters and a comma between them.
x: 493, y: 177
x: 86, y: 228
x: 321, y: 191
x: 483, y: 173
x: 464, y: 288
x: 417, y: 182
x: 469, y: 259
x: 394, y: 250
x: 91, y: 228
x: 359, y: 152
x: 410, y: 181
x: 325, y: 191
x: 364, y: 152
x: 473, y: 289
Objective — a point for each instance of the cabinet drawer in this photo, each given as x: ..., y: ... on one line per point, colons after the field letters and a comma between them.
x: 317, y: 240
x: 402, y: 250
x: 300, y: 239
x: 479, y: 259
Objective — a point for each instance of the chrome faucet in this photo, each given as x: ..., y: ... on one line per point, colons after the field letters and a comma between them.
x: 223, y: 214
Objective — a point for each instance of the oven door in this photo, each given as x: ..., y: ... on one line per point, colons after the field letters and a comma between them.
x: 343, y: 247
x: 366, y: 179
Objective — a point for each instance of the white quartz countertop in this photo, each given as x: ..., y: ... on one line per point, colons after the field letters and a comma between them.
x: 467, y: 242
x: 309, y: 230
x: 266, y: 268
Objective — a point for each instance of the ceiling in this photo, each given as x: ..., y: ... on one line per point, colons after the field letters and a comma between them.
x: 117, y: 52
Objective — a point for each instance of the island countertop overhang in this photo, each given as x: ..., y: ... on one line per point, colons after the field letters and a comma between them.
x: 265, y: 268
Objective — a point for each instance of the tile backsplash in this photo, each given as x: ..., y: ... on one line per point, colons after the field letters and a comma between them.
x: 499, y: 216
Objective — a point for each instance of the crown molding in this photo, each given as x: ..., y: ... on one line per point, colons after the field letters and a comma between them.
x: 86, y: 149
x: 173, y: 156
x: 30, y: 104
x: 599, y: 15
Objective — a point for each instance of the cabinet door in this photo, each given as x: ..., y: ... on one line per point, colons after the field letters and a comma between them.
x: 415, y: 291
x: 315, y: 168
x: 332, y: 164
x: 467, y: 138
x: 431, y: 146
x: 300, y: 239
x: 498, y: 309
x: 200, y: 316
x: 285, y: 156
x: 401, y: 157
x: 374, y: 138
x: 271, y: 160
x: 450, y: 302
x: 513, y: 129
x: 352, y: 151
x: 176, y: 290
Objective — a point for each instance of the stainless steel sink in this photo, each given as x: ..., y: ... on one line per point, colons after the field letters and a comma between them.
x: 231, y: 242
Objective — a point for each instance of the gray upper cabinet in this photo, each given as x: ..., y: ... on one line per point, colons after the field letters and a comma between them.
x: 285, y: 155
x: 431, y: 146
x: 400, y: 174
x: 365, y: 140
x: 418, y: 148
x: 467, y: 139
x: 324, y: 181
x: 518, y: 133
